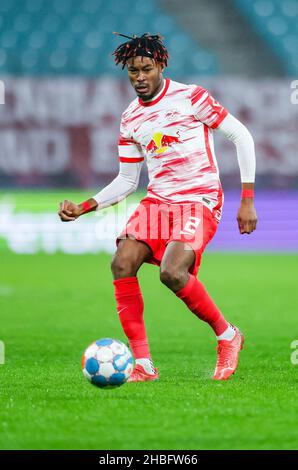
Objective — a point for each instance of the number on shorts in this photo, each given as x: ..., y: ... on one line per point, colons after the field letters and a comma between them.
x: 191, y: 226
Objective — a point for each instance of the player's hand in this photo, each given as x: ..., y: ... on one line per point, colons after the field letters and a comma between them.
x: 69, y: 211
x: 247, y: 217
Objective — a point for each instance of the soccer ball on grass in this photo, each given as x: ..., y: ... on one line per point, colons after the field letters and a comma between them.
x: 107, y: 362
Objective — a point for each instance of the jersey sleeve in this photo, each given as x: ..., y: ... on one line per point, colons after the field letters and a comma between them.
x: 205, y: 108
x: 129, y: 150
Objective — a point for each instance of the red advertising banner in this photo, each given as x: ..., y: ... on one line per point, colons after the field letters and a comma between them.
x: 63, y: 132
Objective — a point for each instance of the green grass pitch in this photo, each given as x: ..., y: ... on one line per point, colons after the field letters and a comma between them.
x: 52, y: 307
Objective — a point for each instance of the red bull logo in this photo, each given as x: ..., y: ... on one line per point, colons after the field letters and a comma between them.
x: 161, y: 142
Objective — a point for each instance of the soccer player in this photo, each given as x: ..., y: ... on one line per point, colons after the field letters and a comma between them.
x: 171, y: 125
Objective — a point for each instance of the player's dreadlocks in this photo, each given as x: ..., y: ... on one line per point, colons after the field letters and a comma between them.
x: 147, y: 45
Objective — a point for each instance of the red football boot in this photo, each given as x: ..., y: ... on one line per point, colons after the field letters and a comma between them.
x: 227, y: 356
x: 140, y: 375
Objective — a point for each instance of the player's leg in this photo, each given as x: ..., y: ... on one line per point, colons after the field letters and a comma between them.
x: 174, y: 273
x: 130, y: 255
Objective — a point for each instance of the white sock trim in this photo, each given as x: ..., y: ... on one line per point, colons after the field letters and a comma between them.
x: 228, y: 334
x: 147, y: 364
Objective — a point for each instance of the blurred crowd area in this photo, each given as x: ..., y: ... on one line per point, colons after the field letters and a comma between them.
x: 64, y: 95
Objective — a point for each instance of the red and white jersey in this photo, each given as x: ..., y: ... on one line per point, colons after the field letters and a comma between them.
x: 174, y: 134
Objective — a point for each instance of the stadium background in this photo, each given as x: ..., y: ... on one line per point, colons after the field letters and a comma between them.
x: 58, y: 132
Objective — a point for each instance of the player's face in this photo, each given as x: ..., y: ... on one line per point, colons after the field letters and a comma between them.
x: 145, y: 75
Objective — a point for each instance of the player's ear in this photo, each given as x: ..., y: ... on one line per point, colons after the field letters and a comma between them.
x: 161, y: 66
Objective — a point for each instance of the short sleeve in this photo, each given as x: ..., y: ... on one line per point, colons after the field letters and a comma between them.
x: 205, y: 108
x: 129, y: 150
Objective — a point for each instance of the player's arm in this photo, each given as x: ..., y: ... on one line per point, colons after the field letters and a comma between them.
x: 235, y: 131
x: 130, y: 161
x: 214, y: 115
x: 124, y: 184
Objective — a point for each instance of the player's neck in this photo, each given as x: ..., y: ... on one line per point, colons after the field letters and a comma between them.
x: 158, y: 91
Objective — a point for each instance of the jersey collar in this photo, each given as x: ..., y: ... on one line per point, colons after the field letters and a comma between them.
x: 162, y: 94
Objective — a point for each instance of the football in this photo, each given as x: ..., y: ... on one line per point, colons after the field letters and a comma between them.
x: 107, y: 363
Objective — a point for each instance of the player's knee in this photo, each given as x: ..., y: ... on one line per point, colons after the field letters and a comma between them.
x: 172, y: 278
x: 122, y: 266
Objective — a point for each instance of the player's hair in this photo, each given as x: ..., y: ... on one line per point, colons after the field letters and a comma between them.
x: 147, y: 45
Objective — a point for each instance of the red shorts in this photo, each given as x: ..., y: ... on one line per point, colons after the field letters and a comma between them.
x: 156, y: 224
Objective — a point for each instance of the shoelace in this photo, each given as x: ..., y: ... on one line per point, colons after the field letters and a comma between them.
x: 223, y: 352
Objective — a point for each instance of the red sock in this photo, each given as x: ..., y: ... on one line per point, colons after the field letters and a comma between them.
x: 130, y: 307
x: 195, y: 296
